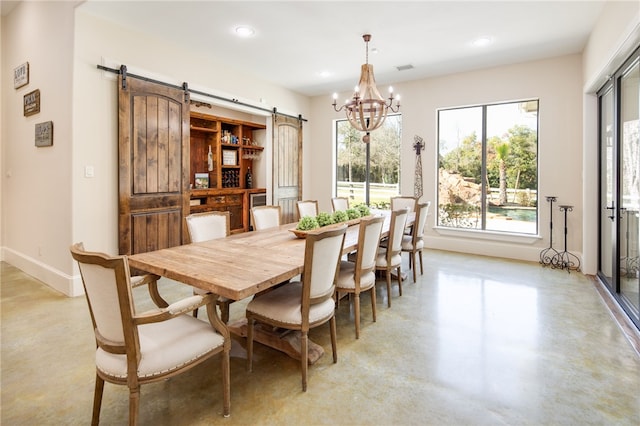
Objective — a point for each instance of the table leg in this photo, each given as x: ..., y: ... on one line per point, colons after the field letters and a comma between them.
x: 287, y: 341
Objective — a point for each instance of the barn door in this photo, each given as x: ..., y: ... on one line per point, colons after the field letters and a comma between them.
x: 287, y: 165
x: 153, y: 127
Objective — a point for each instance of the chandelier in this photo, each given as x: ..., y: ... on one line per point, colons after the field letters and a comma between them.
x: 367, y: 109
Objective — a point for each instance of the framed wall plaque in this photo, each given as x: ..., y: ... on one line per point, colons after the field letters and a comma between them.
x: 21, y: 75
x: 32, y: 103
x: 44, y: 134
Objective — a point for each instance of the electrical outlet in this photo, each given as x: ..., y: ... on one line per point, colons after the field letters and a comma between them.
x: 89, y: 171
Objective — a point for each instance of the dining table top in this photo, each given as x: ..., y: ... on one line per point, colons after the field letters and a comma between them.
x: 240, y: 265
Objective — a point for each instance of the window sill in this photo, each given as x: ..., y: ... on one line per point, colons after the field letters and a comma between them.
x: 488, y: 235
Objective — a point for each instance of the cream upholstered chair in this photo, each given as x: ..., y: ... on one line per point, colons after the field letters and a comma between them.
x: 355, y: 278
x: 414, y: 243
x: 340, y: 203
x: 265, y: 217
x: 400, y: 202
x: 138, y: 348
x: 388, y: 258
x: 307, y: 208
x: 210, y: 226
x: 307, y: 304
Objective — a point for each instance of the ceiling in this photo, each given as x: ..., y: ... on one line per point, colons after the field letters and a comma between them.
x: 296, y: 41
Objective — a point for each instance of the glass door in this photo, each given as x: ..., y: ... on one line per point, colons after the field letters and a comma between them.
x: 607, y: 256
x: 630, y: 184
x: 619, y: 157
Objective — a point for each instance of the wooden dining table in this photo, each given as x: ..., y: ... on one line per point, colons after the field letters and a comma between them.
x: 242, y: 265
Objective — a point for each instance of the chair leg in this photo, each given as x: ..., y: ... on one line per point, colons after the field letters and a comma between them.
x: 226, y: 384
x: 388, y: 288
x: 134, y: 404
x: 413, y: 256
x: 356, y: 309
x: 195, y: 313
x: 97, y: 400
x: 421, y: 269
x: 250, y: 324
x: 399, y: 281
x: 373, y: 302
x: 334, y: 339
x: 304, y: 361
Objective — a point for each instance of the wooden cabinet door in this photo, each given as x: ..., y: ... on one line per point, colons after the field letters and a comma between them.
x: 153, y: 199
x: 287, y: 165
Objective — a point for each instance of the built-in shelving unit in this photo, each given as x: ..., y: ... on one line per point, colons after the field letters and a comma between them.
x: 223, y: 186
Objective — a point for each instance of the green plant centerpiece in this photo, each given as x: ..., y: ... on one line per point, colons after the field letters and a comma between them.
x: 324, y: 219
x: 340, y: 216
x: 307, y: 223
x: 364, y: 210
x: 353, y: 214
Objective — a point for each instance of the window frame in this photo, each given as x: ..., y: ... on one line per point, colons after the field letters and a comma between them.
x: 482, y: 232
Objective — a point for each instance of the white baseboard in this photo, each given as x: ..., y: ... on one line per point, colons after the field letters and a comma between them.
x: 68, y: 285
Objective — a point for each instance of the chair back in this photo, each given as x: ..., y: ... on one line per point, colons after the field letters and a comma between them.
x: 323, y: 250
x: 368, y: 242
x: 421, y: 220
x: 399, y: 203
x: 265, y: 217
x: 208, y: 226
x: 340, y: 203
x: 396, y: 231
x: 307, y: 208
x: 108, y: 292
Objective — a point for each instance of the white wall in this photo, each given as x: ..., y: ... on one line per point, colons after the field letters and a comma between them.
x: 614, y: 38
x: 36, y: 182
x: 556, y: 82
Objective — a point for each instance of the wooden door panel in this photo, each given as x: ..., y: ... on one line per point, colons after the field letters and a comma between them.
x: 287, y: 165
x: 153, y: 166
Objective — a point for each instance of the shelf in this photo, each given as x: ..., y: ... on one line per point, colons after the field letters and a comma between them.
x: 204, y: 129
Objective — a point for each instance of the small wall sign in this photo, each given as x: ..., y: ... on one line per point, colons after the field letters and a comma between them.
x: 32, y: 103
x: 21, y: 75
x: 44, y: 134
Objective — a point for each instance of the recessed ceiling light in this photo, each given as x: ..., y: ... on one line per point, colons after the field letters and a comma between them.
x: 325, y: 74
x: 245, y: 31
x: 482, y: 41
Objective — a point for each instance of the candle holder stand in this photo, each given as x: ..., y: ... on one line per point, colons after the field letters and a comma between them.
x: 564, y: 259
x: 548, y: 254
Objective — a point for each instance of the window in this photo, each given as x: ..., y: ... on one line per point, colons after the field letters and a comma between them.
x: 371, y: 178
x: 488, y: 167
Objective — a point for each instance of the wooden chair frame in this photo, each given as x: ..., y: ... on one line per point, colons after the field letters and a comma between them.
x: 258, y: 209
x: 302, y: 203
x: 393, y: 248
x: 361, y: 270
x: 417, y: 235
x: 336, y: 200
x: 131, y: 345
x: 306, y: 302
x: 222, y: 302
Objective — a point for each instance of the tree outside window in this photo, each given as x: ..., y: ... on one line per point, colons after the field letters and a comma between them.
x: 488, y: 167
x: 382, y: 167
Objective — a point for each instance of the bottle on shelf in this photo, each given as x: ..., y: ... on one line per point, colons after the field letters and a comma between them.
x: 210, y: 159
x: 249, y: 178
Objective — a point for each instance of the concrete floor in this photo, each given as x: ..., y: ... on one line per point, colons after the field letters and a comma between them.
x: 477, y: 341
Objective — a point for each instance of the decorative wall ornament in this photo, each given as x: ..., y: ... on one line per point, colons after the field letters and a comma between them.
x: 417, y: 182
x: 44, y: 134
x: 32, y: 103
x: 21, y: 75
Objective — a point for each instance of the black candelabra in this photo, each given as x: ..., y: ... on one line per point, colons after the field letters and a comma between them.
x: 564, y: 259
x: 549, y: 253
